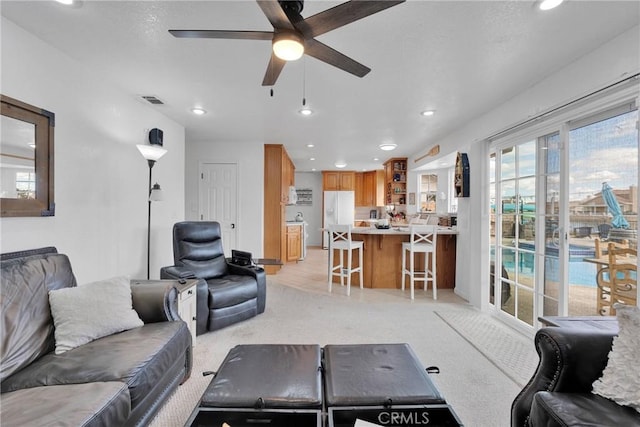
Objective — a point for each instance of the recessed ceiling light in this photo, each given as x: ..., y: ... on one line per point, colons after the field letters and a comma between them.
x: 198, y: 111
x: 310, y: 145
x: 67, y: 2
x: 427, y: 113
x: 306, y: 111
x: 549, y: 4
x: 312, y: 158
x: 375, y: 159
x: 340, y: 165
x: 313, y: 169
x: 387, y: 146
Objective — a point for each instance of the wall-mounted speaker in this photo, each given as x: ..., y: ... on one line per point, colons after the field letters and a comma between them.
x: 155, y: 136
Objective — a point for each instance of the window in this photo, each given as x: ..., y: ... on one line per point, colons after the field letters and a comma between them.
x: 428, y: 192
x: 26, y: 185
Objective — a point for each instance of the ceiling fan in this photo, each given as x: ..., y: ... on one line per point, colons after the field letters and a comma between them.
x: 293, y: 35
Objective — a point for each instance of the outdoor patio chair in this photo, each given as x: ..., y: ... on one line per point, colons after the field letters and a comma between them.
x: 603, y: 231
x: 622, y: 276
x: 604, y: 299
x: 582, y: 231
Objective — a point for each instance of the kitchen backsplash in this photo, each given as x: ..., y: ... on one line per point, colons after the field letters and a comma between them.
x: 365, y: 212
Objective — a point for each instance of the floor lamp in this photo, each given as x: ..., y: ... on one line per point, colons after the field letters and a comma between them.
x: 152, y: 154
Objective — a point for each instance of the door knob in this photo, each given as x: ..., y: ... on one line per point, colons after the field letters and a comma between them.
x: 233, y: 226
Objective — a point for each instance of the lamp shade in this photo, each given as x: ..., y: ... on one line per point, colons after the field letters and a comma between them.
x: 151, y: 152
x: 288, y: 46
x: 156, y: 194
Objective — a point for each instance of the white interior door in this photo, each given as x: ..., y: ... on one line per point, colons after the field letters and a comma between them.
x: 218, y: 199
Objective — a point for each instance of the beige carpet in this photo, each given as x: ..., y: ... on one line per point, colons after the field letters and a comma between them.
x: 480, y: 392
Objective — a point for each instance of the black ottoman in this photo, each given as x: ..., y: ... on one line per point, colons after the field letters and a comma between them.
x: 275, y: 385
x: 384, y: 384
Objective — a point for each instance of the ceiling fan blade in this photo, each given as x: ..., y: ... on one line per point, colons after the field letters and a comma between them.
x: 274, y: 13
x: 273, y: 70
x: 342, y: 14
x: 333, y: 57
x: 222, y: 34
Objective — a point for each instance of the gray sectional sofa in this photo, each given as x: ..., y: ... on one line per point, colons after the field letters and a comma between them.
x: 122, y: 379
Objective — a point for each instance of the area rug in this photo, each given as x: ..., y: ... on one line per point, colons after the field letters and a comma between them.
x: 513, y: 353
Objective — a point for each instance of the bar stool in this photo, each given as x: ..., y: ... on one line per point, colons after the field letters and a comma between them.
x: 340, y: 239
x: 423, y: 239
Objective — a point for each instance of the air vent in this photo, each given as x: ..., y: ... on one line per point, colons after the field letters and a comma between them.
x: 152, y: 99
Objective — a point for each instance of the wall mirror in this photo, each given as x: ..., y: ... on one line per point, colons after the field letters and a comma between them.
x: 26, y: 160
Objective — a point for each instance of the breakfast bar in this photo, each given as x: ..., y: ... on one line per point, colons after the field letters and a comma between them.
x: 382, y: 256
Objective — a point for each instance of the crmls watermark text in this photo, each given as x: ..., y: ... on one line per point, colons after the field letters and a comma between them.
x: 393, y: 418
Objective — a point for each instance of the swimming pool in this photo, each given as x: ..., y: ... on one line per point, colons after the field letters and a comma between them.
x: 580, y: 272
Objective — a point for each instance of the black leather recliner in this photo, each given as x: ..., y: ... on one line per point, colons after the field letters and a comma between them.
x: 228, y: 293
x: 559, y: 392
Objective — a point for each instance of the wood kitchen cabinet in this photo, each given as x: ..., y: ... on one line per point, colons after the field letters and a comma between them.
x: 294, y: 242
x: 395, y: 175
x: 359, y: 191
x: 279, y: 175
x: 369, y: 188
x: 338, y: 181
x: 288, y: 177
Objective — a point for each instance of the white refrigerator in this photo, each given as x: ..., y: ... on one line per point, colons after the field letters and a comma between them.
x: 339, y: 208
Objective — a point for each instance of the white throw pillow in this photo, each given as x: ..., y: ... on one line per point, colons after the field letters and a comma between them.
x: 85, y: 313
x: 620, y: 380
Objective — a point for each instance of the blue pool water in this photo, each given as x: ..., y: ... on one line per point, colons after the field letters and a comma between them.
x: 580, y: 272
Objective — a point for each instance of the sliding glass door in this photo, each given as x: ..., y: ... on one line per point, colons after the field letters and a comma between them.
x: 551, y: 206
x: 513, y: 230
x: 603, y: 197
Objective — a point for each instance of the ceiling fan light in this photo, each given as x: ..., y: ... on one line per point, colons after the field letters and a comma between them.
x: 288, y: 46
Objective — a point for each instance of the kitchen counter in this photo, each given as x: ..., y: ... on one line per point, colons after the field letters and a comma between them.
x: 397, y: 230
x: 382, y: 257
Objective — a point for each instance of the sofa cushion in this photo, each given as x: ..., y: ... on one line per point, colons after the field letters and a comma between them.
x: 139, y: 357
x: 26, y: 327
x: 231, y: 290
x: 82, y: 405
x: 88, y: 312
x: 579, y: 409
x: 620, y: 380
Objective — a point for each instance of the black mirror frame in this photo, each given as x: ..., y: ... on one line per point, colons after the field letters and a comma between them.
x: 44, y: 121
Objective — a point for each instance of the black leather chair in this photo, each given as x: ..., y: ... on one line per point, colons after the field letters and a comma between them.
x: 559, y: 393
x: 228, y: 293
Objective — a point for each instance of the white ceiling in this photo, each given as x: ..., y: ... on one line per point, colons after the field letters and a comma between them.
x: 460, y: 58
